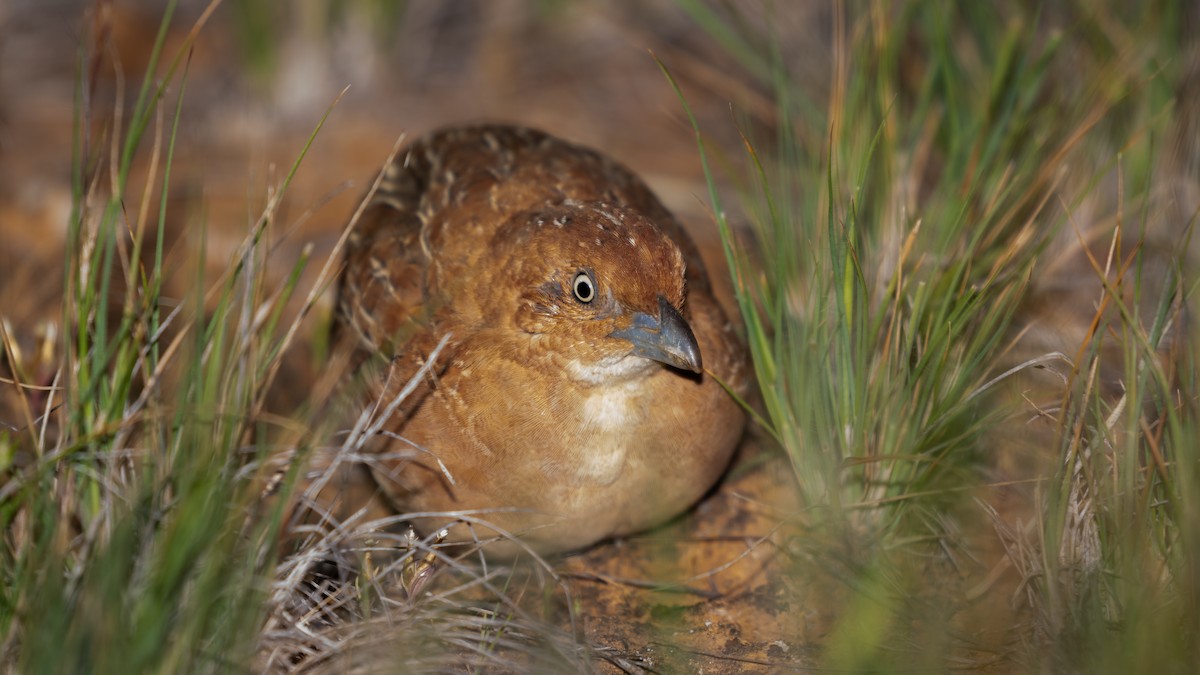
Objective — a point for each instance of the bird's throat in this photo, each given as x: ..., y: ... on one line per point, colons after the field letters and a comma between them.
x: 610, y: 370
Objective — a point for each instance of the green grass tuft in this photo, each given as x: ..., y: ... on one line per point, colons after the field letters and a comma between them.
x: 896, y: 260
x: 136, y: 536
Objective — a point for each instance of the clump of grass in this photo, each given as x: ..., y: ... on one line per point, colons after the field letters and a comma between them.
x: 1110, y: 569
x: 135, y: 537
x: 895, y: 251
x: 900, y: 218
x: 349, y: 600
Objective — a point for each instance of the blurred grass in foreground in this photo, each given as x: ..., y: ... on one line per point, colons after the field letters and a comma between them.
x: 133, y: 534
x: 906, y: 216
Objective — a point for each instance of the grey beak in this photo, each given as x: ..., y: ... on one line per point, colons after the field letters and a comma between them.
x: 666, y: 338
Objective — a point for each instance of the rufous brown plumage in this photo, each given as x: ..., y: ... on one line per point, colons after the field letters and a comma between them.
x: 577, y: 396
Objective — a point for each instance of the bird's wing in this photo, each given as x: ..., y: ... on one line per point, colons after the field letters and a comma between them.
x: 386, y: 311
x: 381, y: 300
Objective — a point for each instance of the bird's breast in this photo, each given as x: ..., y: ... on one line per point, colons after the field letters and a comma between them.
x: 575, y: 431
x: 608, y: 419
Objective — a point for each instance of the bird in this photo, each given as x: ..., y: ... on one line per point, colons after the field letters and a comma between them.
x: 573, y: 378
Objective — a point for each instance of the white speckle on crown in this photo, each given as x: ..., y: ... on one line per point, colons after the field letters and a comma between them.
x: 603, y: 212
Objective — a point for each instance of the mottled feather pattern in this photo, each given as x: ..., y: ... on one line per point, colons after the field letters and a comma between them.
x: 577, y: 304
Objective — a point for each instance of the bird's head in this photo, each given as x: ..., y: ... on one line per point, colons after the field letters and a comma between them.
x: 600, y: 285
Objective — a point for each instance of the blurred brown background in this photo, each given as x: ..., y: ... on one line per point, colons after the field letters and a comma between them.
x: 262, y: 75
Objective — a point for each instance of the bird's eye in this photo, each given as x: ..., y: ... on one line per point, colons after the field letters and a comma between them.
x: 583, y: 287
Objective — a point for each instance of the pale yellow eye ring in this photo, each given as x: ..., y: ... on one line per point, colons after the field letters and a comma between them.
x: 583, y: 287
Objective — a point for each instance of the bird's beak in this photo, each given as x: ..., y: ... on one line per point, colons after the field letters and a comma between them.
x: 666, y: 338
